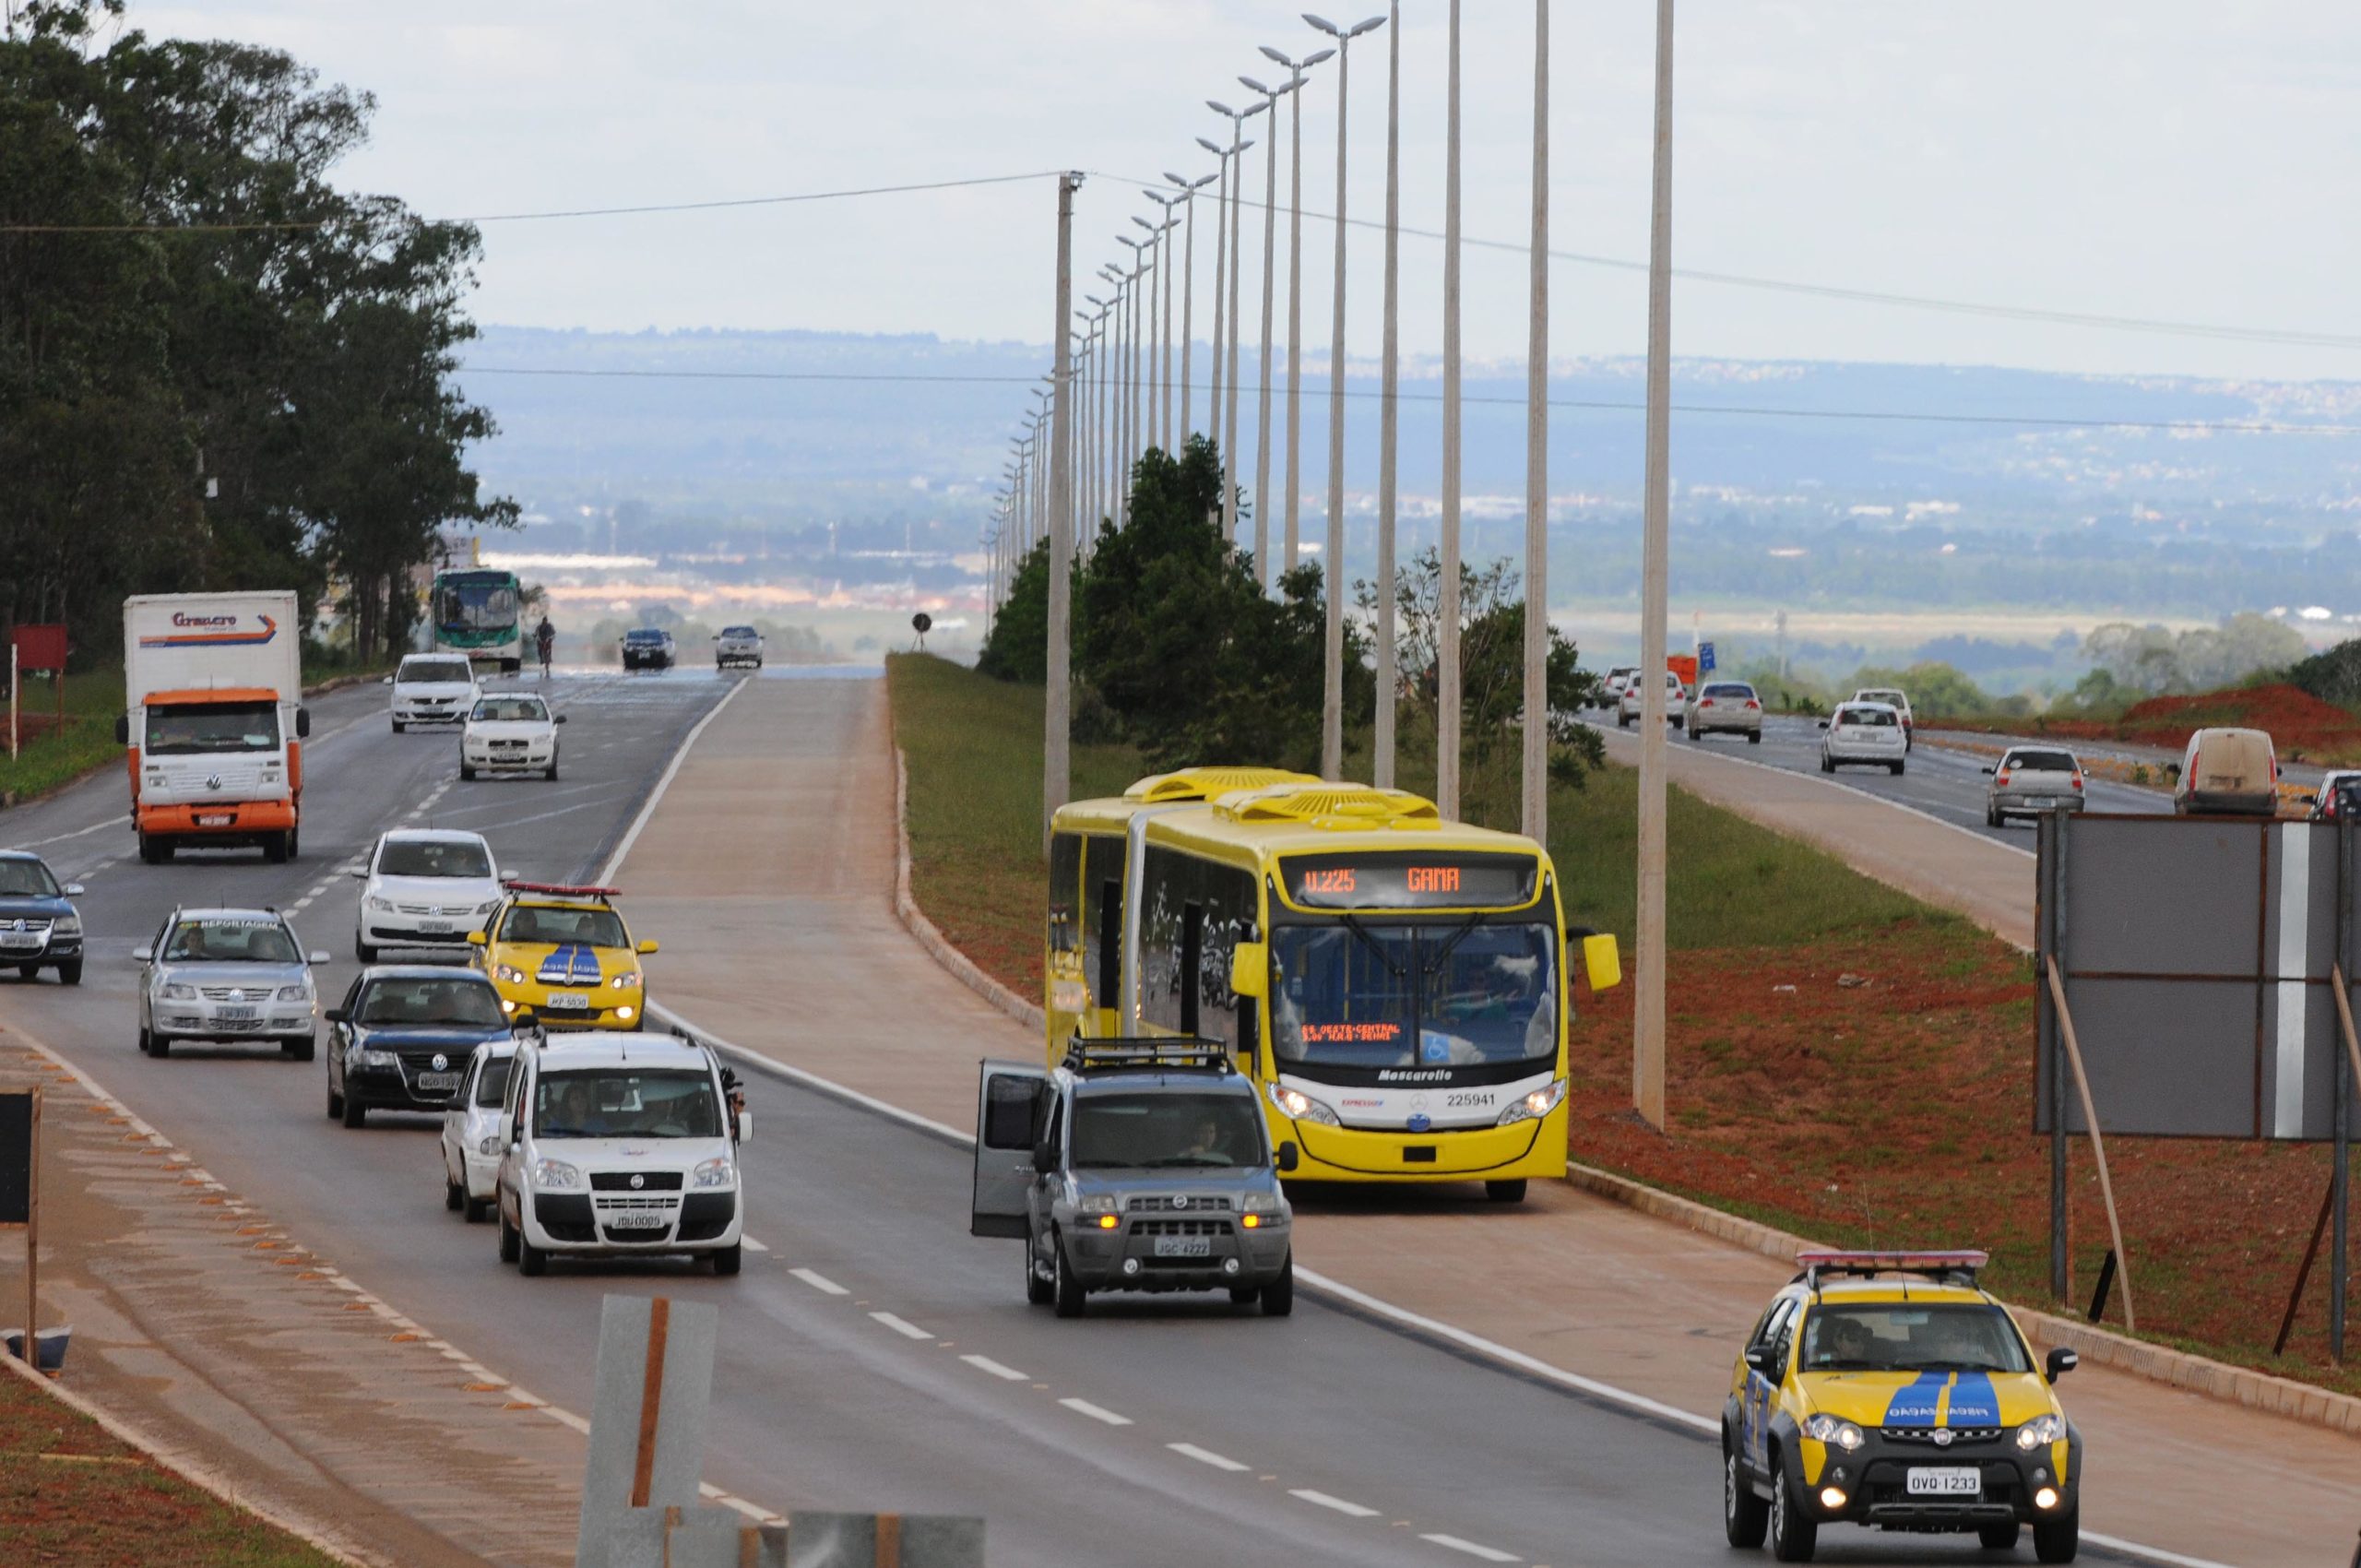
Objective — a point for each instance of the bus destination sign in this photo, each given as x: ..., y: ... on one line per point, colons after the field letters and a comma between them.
x: 1397, y: 881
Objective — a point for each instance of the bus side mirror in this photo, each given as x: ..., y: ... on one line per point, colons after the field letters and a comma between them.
x: 1602, y: 961
x: 1289, y: 1156
x: 302, y: 723
x: 1250, y: 969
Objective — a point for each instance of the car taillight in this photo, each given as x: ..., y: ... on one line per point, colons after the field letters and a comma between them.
x: 2077, y: 781
x: 1706, y: 702
x: 2003, y: 781
x: 1752, y: 706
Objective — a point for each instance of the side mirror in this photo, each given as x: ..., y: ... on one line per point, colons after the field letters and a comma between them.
x: 123, y: 731
x: 302, y: 723
x: 316, y: 955
x: 386, y: 682
x: 1763, y: 1359
x: 1289, y: 1156
x: 1985, y: 769
x: 2060, y: 1361
x: 1250, y: 969
x: 73, y: 890
x: 338, y: 1015
x: 1824, y: 723
x: 745, y: 1126
x: 559, y: 719
x: 360, y: 874
x: 648, y: 946
x: 476, y: 939
x: 1045, y: 1159
x: 1602, y: 961
x: 140, y: 954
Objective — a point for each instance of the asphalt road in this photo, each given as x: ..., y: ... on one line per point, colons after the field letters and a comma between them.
x: 872, y: 1354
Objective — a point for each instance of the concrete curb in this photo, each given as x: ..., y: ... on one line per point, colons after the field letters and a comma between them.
x: 183, y: 1467
x: 2160, y: 1363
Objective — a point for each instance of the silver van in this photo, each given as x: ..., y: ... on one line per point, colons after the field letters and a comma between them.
x: 2228, y: 772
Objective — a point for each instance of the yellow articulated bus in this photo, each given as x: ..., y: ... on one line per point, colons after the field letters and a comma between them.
x: 1396, y: 985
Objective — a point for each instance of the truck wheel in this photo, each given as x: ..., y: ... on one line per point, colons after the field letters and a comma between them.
x: 70, y: 972
x: 294, y: 840
x: 1278, y: 1296
x: 2001, y: 1537
x: 274, y: 849
x: 155, y: 848
x: 726, y: 1260
x: 336, y: 1104
x: 1511, y: 1191
x: 2057, y: 1541
x: 1793, y: 1536
x: 1245, y: 1295
x: 1066, y: 1294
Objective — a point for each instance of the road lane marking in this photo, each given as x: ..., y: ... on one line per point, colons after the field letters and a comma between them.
x: 1096, y: 1413
x: 1205, y: 1456
x: 78, y: 833
x: 1005, y: 1373
x: 901, y: 1326
x: 819, y: 1282
x: 752, y: 1245
x: 664, y: 782
x: 1489, y: 1554
x: 1321, y: 1500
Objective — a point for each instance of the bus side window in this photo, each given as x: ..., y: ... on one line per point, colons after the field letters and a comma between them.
x: 1250, y: 1024
x: 1111, y: 940
x: 1065, y: 891
x: 1192, y: 953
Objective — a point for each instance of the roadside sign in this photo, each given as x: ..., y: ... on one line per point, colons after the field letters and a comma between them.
x: 1704, y: 658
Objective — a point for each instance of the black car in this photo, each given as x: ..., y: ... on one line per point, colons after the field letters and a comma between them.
x: 39, y: 929
x: 650, y: 648
x: 402, y: 1038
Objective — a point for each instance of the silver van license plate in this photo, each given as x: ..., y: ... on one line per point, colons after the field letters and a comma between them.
x: 1184, y: 1246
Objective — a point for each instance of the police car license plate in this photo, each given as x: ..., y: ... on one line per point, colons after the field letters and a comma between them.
x: 1184, y: 1246
x: 436, y: 927
x: 568, y: 999
x: 638, y: 1220
x: 438, y: 1083
x: 1957, y: 1480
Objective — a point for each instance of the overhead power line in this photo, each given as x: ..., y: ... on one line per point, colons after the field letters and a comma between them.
x: 2225, y: 427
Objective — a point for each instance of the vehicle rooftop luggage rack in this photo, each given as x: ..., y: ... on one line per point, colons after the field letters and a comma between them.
x: 1134, y: 1053
x: 1943, y: 1268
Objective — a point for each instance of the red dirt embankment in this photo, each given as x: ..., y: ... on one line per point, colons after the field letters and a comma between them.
x: 2301, y: 725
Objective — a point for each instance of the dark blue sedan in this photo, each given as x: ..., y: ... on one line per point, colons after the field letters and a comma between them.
x: 39, y: 929
x: 402, y: 1038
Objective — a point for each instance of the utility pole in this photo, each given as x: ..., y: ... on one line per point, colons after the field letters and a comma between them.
x: 1381, y: 767
x: 1447, y: 616
x: 1536, y: 457
x: 1648, y: 1002
x: 1056, y: 775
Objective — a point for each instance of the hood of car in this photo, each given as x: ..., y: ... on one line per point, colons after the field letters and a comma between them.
x: 257, y: 976
x: 629, y: 1154
x: 1232, y: 1181
x: 461, y: 1037
x: 510, y: 728
x: 432, y: 688
x: 564, y: 963
x: 14, y: 905
x: 1929, y: 1399
x: 474, y: 892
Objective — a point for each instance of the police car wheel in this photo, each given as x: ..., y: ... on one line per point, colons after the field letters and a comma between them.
x: 1066, y: 1293
x: 1745, y: 1516
x: 1038, y: 1290
x: 1793, y: 1536
x: 1278, y: 1296
x: 2057, y: 1541
x: 1997, y: 1538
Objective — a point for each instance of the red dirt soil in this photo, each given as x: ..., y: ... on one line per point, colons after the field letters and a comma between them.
x: 2300, y: 725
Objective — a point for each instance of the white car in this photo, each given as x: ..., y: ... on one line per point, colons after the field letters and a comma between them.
x: 1628, y: 706
x: 471, y: 1142
x: 426, y: 887
x: 1894, y: 699
x: 509, y: 732
x: 228, y: 975
x: 737, y: 646
x: 1863, y: 734
x: 432, y: 688
x: 617, y: 1145
x: 1616, y: 679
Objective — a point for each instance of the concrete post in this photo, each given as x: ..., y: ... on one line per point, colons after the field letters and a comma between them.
x: 1056, y: 776
x: 1447, y: 681
x: 1536, y: 455
x: 1648, y: 1003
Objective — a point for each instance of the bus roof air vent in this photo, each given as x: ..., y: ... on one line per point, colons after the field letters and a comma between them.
x: 1340, y: 808
x: 1205, y: 783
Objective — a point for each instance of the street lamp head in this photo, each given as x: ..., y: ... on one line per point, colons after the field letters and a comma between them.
x: 1360, y: 28
x: 1324, y: 25
x: 1146, y: 224
x: 1314, y: 58
x: 1213, y: 147
x: 1251, y: 84
x: 1223, y: 109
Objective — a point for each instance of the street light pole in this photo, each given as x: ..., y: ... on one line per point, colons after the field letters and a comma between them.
x: 1296, y: 68
x: 1057, y: 734
x: 1189, y: 189
x: 1271, y: 97
x: 1381, y: 765
x: 1164, y: 400
x: 1229, y: 374
x: 1331, y: 702
x: 1221, y: 238
x: 1447, y: 698
x: 1648, y: 1005
x: 1537, y: 460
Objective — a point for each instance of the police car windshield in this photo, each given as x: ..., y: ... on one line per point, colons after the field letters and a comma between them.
x: 467, y: 1002
x: 1352, y: 994
x: 625, y: 1102
x: 1132, y: 1131
x: 1907, y: 1337
x: 231, y: 942
x: 26, y: 879
x: 434, y: 856
x: 538, y: 923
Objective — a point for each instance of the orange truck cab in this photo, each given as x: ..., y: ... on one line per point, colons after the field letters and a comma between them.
x: 214, y: 721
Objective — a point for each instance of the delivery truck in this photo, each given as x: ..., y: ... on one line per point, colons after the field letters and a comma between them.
x: 213, y: 717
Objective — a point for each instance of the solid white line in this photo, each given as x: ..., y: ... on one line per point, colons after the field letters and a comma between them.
x: 752, y: 1245
x: 2152, y: 1553
x: 902, y: 1325
x: 999, y: 1370
x: 1489, y: 1554
x: 78, y: 833
x: 1321, y: 1500
x: 655, y: 796
x: 1205, y: 1456
x: 1096, y: 1413
x: 820, y: 1282
x: 813, y: 1080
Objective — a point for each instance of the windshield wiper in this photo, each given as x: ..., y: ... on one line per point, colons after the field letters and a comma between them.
x: 1353, y: 924
x: 1451, y: 945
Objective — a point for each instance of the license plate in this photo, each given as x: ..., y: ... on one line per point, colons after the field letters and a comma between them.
x: 638, y: 1219
x: 220, y: 819
x: 568, y: 999
x: 237, y: 1015
x: 434, y: 927
x: 1184, y: 1246
x: 14, y: 943
x: 1952, y: 1481
x: 438, y: 1083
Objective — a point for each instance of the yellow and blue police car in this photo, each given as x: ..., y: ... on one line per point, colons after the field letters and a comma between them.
x: 1886, y: 1389
x: 564, y: 953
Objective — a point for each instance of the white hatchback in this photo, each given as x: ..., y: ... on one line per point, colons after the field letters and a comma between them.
x: 432, y: 688
x: 1630, y: 705
x: 426, y: 887
x: 1863, y: 734
x: 509, y: 732
x: 471, y: 1142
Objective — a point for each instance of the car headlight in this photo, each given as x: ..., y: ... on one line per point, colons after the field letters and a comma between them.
x: 2040, y: 1431
x: 718, y: 1172
x: 512, y: 976
x: 294, y: 994
x: 555, y: 1175
x: 488, y: 1144
x: 1097, y: 1203
x: 626, y: 982
x: 1825, y: 1428
x: 487, y: 908
x: 66, y: 925
x: 1302, y: 1107
x: 382, y: 906
x: 1261, y: 1203
x: 176, y: 993
x: 1533, y: 1106
x: 370, y: 1058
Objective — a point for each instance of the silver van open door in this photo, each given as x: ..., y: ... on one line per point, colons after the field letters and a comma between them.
x: 1010, y: 1099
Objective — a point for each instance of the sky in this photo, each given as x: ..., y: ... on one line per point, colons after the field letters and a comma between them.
x: 2193, y: 160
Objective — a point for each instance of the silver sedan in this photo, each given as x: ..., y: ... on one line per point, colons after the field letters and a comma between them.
x: 230, y: 976
x: 2029, y: 780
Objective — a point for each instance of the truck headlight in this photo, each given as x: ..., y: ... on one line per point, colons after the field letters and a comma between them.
x: 718, y: 1172
x: 2040, y: 1431
x: 176, y: 993
x: 1302, y: 1107
x: 512, y: 976
x: 1533, y: 1106
x: 555, y: 1175
x: 1261, y: 1203
x: 1825, y: 1428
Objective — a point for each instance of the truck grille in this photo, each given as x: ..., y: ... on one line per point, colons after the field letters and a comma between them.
x: 1927, y: 1434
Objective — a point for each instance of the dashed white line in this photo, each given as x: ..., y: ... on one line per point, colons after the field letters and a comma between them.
x: 752, y: 1245
x: 1489, y: 1554
x: 1000, y: 1369
x: 819, y: 1282
x: 1204, y: 1456
x: 1096, y: 1413
x: 1321, y: 1500
x: 901, y: 1326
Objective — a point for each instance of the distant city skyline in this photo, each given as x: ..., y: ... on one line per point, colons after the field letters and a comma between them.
x: 2186, y: 162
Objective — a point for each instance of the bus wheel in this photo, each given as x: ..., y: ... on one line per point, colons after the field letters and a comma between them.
x: 1505, y: 1192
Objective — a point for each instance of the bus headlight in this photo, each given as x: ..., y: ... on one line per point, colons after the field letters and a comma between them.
x: 1302, y: 1107
x: 1533, y: 1106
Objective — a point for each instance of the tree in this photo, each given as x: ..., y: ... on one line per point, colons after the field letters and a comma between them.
x: 1018, y: 648
x: 1936, y: 691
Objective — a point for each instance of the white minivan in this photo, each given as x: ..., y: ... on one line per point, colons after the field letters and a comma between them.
x: 619, y: 1145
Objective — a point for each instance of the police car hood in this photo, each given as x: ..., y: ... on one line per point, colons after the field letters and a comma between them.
x: 565, y: 963
x: 1927, y: 1398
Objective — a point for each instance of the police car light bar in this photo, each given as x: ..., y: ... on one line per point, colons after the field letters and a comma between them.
x: 561, y: 889
x: 1146, y: 1053
x: 1959, y: 1267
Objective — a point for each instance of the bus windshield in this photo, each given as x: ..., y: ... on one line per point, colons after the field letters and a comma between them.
x: 476, y: 604
x: 1350, y: 995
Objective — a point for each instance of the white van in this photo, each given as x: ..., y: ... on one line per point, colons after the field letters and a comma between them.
x: 619, y: 1143
x: 2233, y: 772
